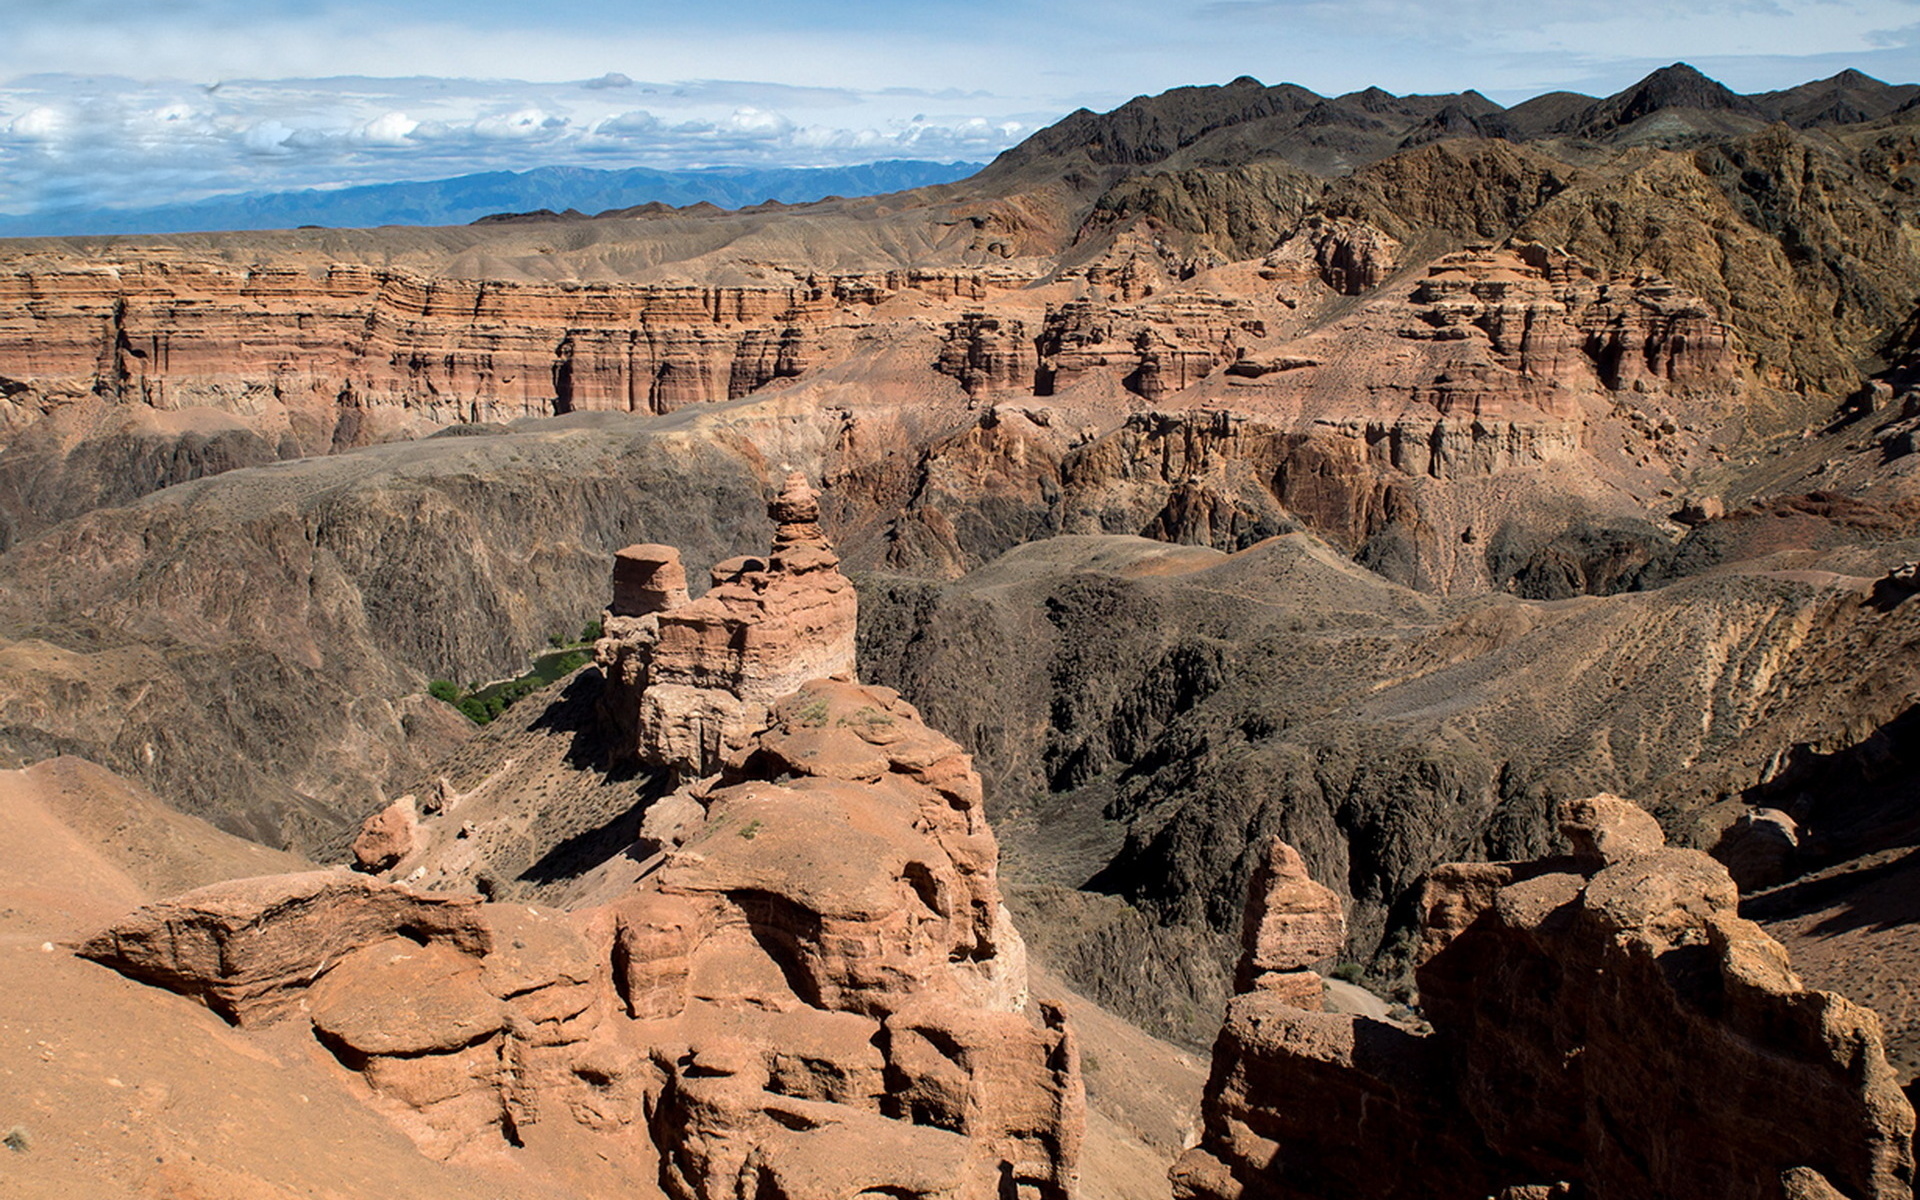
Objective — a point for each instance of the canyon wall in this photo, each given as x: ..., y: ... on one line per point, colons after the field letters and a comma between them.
x: 1362, y: 391
x: 357, y: 353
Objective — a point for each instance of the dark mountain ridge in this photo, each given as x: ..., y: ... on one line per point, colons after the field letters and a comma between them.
x: 1184, y: 126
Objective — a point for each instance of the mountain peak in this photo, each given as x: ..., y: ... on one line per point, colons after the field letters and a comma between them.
x: 1676, y: 86
x: 1851, y: 78
x: 1682, y: 86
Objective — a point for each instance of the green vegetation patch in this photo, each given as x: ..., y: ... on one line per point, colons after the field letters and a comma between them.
x: 483, y: 702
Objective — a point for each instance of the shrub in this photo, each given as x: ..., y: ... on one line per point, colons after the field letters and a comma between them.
x: 445, y: 691
x: 592, y: 632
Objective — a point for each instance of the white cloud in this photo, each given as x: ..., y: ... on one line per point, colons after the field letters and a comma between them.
x: 41, y: 123
x: 268, y: 137
x: 388, y: 129
x: 757, y: 122
x: 521, y: 125
x: 639, y: 123
x: 92, y: 141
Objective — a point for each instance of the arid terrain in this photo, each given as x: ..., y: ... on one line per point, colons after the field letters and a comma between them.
x: 1221, y: 562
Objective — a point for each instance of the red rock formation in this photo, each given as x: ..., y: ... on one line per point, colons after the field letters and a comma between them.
x: 647, y: 578
x: 1604, y: 1025
x: 988, y: 355
x: 1514, y: 334
x: 1292, y: 925
x: 692, y: 680
x: 1495, y: 362
x: 813, y: 993
x: 386, y: 837
x: 212, y: 943
x: 386, y: 350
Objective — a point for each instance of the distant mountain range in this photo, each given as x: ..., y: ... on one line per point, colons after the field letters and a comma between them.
x: 1246, y: 121
x: 466, y: 198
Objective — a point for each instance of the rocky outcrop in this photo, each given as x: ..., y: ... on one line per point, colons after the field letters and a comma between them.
x: 647, y: 578
x: 1603, y: 1024
x: 1228, y: 479
x: 988, y: 355
x: 1350, y: 257
x: 386, y: 837
x: 692, y: 679
x: 865, y: 885
x: 1520, y: 333
x: 1759, y: 849
x: 1151, y: 347
x: 1292, y: 925
x: 248, y: 948
x: 809, y: 990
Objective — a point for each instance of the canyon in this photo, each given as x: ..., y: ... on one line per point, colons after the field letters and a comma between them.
x: 1222, y: 562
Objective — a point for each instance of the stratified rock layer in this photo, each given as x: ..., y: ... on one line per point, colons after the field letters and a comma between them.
x: 1603, y: 1023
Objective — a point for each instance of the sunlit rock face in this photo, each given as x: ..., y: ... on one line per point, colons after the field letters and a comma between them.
x: 692, y: 679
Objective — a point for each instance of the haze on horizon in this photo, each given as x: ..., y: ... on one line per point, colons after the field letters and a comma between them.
x: 105, y: 104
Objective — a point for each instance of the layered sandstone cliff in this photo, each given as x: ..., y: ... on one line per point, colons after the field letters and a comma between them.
x: 1374, y: 375
x: 809, y: 990
x: 1602, y: 1024
x: 339, y: 344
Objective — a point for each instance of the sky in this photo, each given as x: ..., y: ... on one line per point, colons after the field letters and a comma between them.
x: 106, y: 103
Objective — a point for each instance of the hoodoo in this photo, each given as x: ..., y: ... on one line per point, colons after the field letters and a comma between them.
x: 690, y: 681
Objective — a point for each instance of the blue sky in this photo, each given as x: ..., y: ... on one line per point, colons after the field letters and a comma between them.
x: 104, y: 103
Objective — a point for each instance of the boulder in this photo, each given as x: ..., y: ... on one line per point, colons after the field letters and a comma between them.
x: 647, y: 578
x: 386, y: 837
x: 1760, y: 849
x: 1606, y: 829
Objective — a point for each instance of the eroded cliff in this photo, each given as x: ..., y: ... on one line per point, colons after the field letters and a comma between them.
x: 1602, y: 1024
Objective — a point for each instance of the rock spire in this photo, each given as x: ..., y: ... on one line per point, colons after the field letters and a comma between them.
x: 809, y: 988
x: 689, y: 681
